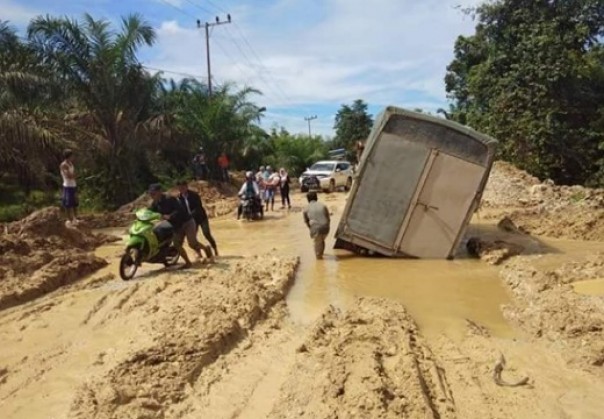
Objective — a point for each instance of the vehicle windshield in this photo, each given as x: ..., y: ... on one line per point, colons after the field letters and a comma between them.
x: 322, y: 167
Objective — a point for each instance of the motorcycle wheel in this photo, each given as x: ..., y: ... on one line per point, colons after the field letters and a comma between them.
x: 172, y: 257
x: 128, y: 263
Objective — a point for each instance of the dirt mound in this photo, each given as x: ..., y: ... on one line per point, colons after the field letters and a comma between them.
x: 543, y: 208
x: 40, y: 254
x: 58, y: 272
x: 47, y: 227
x: 547, y: 306
x: 194, y: 323
x: 218, y: 199
x: 369, y: 362
x: 507, y: 186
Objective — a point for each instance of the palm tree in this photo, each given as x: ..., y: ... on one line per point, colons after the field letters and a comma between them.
x: 110, y: 89
x: 29, y: 138
x: 222, y: 123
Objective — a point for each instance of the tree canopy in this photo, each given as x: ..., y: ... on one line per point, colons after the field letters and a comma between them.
x: 353, y: 123
x: 532, y: 76
x: 78, y: 83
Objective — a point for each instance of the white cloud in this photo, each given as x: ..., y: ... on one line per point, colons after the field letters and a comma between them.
x: 16, y: 14
x: 384, y: 51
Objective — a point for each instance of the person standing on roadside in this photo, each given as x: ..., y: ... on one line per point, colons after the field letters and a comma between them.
x: 192, y: 202
x: 223, y: 164
x: 284, y: 188
x: 69, y: 196
x: 316, y: 217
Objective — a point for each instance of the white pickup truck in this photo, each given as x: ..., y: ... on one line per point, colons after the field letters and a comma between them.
x: 327, y: 175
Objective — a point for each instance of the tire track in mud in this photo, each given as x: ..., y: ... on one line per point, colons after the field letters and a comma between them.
x: 246, y: 381
x: 368, y: 362
x: 205, y: 316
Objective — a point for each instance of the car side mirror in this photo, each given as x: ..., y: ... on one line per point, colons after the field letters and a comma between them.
x: 338, y: 169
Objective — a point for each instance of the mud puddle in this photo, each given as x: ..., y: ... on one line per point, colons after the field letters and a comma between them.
x: 590, y: 287
x: 440, y: 295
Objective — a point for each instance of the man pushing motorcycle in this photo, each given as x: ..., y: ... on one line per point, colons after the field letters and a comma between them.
x: 182, y: 222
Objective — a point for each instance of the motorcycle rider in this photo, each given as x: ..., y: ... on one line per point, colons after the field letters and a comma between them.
x: 249, y: 190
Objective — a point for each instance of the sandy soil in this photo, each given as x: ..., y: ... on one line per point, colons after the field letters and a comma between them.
x: 544, y: 209
x: 218, y: 199
x: 41, y: 254
x: 218, y: 341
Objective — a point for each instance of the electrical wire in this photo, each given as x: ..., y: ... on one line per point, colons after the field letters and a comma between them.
x: 199, y: 7
x: 175, y: 7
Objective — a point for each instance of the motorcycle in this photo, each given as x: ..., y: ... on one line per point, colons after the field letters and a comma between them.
x: 252, y: 209
x: 148, y: 242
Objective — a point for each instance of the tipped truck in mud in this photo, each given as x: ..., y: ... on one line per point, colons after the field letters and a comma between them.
x: 419, y: 181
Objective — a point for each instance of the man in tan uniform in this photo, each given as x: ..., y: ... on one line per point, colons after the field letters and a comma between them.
x: 316, y: 217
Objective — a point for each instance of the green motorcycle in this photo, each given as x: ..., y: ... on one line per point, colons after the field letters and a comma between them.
x: 149, y: 242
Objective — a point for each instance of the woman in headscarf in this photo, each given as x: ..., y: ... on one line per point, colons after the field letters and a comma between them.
x: 284, y: 188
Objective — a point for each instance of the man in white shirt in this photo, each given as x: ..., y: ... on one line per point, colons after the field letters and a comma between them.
x: 272, y: 183
x: 69, y: 197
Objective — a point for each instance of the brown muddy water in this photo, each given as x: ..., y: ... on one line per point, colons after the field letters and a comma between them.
x: 439, y: 294
x: 593, y: 287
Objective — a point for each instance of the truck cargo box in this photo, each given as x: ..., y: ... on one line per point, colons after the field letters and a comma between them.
x: 419, y: 181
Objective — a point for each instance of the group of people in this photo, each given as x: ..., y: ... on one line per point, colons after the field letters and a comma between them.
x: 263, y: 186
x: 187, y: 215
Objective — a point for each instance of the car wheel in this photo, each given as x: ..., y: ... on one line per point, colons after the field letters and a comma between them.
x: 332, y: 186
x: 348, y: 184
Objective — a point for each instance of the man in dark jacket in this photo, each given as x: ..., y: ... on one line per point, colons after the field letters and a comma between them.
x: 181, y: 220
x: 192, y: 202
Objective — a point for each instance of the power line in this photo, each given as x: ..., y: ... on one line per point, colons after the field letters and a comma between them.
x: 211, y: 3
x: 175, y: 7
x: 230, y: 57
x: 260, y: 74
x: 199, y: 7
x: 265, y: 71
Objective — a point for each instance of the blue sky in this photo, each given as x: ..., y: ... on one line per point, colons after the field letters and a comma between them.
x: 308, y: 57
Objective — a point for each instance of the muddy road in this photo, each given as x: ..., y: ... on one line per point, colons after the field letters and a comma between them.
x: 268, y: 332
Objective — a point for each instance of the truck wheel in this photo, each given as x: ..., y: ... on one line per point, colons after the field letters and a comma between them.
x: 348, y: 184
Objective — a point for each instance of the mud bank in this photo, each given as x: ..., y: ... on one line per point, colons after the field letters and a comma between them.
x: 543, y: 208
x: 368, y: 362
x: 40, y: 254
x: 193, y: 322
x: 218, y: 199
x: 547, y: 306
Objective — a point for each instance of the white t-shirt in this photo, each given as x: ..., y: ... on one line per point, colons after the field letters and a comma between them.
x: 274, y: 179
x: 65, y: 171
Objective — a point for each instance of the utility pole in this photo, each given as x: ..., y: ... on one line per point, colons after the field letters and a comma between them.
x: 207, y: 26
x: 308, y: 119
